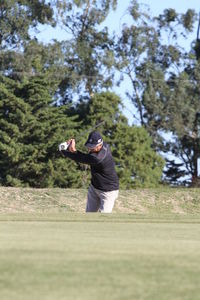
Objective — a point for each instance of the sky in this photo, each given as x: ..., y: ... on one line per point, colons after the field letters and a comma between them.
x: 114, y: 23
x: 156, y: 7
x: 120, y: 15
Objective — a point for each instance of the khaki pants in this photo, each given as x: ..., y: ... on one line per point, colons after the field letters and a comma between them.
x: 98, y: 200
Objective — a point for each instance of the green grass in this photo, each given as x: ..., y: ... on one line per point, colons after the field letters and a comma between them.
x: 77, y: 256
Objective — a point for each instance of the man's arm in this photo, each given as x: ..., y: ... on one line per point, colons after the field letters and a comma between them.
x: 77, y: 155
x: 80, y: 157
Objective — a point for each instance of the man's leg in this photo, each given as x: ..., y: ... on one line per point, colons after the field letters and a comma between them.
x: 93, y: 200
x: 108, y: 201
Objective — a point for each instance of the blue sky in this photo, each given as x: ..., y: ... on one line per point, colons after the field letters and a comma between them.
x: 118, y: 17
x: 156, y: 7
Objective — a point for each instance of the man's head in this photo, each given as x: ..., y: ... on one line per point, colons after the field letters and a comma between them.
x: 94, y: 142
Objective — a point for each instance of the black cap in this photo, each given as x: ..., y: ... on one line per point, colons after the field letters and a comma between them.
x: 94, y: 139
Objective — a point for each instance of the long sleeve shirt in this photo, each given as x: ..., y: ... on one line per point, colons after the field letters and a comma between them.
x: 104, y: 176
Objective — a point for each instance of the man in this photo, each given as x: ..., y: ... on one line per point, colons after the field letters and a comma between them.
x: 104, y: 187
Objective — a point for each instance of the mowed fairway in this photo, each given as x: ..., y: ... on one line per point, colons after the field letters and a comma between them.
x: 119, y: 256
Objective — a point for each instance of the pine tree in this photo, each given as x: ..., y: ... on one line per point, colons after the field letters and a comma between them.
x: 138, y: 165
x: 31, y: 129
x: 46, y: 129
x: 14, y: 115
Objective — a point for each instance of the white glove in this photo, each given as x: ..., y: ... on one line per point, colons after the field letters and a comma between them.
x: 63, y: 146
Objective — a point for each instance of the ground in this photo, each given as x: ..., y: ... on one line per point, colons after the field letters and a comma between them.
x: 143, y: 201
x: 147, y: 249
x: 76, y: 256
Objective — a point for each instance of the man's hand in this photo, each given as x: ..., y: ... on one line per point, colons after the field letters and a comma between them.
x: 72, y: 145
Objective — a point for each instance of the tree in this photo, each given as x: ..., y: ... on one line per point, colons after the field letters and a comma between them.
x: 42, y: 136
x: 31, y: 129
x: 14, y: 113
x: 161, y: 92
x: 138, y: 165
x: 20, y: 53
x: 18, y: 16
x: 88, y: 51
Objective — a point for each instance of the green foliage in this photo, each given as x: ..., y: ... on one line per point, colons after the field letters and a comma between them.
x: 16, y: 18
x: 137, y: 163
x: 188, y: 19
x: 13, y: 112
x: 88, y: 52
x: 104, y: 106
x: 21, y: 57
x: 31, y: 129
x: 43, y: 134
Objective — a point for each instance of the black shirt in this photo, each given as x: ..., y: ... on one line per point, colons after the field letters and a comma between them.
x: 104, y: 176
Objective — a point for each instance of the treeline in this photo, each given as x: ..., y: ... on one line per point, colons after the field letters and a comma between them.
x: 53, y: 91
